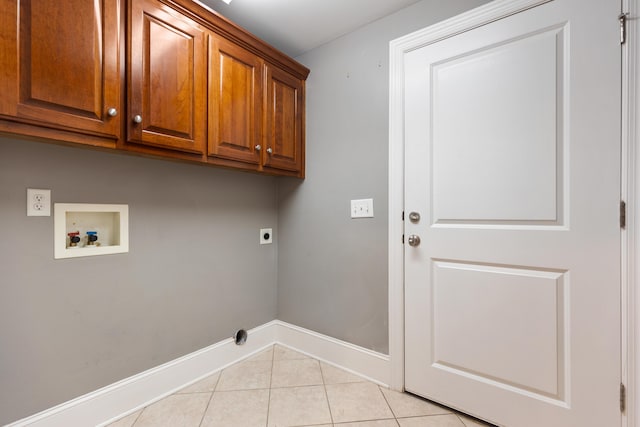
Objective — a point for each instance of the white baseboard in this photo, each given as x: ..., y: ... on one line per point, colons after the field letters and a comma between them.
x: 109, y: 403
x: 366, y: 363
x: 127, y: 396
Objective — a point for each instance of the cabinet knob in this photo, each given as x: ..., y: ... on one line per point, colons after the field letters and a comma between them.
x: 112, y: 112
x: 258, y: 147
x: 137, y: 118
x: 269, y: 150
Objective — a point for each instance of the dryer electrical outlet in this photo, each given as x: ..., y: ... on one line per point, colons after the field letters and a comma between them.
x: 266, y: 236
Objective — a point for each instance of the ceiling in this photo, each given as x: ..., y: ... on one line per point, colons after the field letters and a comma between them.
x: 296, y: 26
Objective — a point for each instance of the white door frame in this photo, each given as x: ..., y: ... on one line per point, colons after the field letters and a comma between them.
x: 630, y: 184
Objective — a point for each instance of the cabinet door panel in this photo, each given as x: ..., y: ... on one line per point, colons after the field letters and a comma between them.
x: 67, y: 71
x: 167, y: 79
x: 235, y: 96
x: 284, y: 121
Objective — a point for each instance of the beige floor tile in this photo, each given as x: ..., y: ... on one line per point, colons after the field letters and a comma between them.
x: 406, y: 405
x: 333, y: 375
x: 262, y: 356
x: 205, y: 385
x: 472, y: 422
x: 284, y: 353
x: 247, y: 408
x: 185, y: 410
x: 298, y: 406
x: 245, y: 376
x: 293, y: 373
x: 357, y: 402
x: 280, y: 387
x: 377, y: 423
x: 126, y: 421
x: 432, y: 421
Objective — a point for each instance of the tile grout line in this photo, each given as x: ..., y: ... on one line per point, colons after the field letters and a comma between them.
x: 138, y: 417
x: 461, y: 420
x: 326, y: 394
x: 273, y: 361
x: 204, y: 414
x: 395, y: 417
x: 205, y: 410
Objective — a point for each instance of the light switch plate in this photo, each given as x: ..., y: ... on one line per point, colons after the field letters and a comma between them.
x: 38, y: 202
x: 362, y: 208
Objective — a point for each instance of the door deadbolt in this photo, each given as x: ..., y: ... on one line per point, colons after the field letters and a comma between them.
x: 414, y: 217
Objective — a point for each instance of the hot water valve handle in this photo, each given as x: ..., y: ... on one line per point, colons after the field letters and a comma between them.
x: 74, y: 238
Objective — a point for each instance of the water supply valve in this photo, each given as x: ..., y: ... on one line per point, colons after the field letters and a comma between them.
x: 92, y: 238
x: 74, y: 239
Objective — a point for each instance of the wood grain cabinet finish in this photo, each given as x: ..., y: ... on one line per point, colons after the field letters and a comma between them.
x: 235, y: 102
x: 60, y: 67
x: 167, y: 78
x: 284, y: 129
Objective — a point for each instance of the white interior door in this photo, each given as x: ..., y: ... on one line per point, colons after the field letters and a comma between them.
x: 512, y: 144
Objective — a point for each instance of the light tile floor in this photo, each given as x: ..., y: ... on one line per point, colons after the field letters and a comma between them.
x: 283, y: 388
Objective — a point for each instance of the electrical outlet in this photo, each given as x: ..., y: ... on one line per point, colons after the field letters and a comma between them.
x: 266, y: 236
x: 38, y: 202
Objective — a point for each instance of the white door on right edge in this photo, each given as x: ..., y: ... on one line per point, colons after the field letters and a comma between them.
x: 512, y: 296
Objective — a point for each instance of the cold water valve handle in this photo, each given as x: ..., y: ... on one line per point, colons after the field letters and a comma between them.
x: 92, y: 237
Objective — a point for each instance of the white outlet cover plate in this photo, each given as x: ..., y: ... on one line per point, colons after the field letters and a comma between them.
x: 362, y: 208
x: 263, y: 232
x: 38, y: 202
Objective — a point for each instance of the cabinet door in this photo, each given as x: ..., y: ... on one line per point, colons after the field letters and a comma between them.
x: 235, y: 98
x: 167, y: 78
x: 284, y: 131
x: 60, y: 64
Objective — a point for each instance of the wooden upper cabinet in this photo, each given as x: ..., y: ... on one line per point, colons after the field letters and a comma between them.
x: 61, y: 64
x: 167, y: 78
x: 235, y: 102
x: 284, y: 130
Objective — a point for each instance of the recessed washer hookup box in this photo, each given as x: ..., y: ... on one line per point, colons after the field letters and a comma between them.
x: 82, y: 229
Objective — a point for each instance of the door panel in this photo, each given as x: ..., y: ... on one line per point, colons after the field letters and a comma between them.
x: 512, y: 136
x: 508, y: 316
x: 284, y: 130
x: 501, y: 165
x: 167, y: 79
x: 235, y: 102
x: 69, y: 65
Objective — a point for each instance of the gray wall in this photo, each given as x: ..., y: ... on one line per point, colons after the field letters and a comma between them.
x: 194, y: 274
x: 195, y: 271
x: 332, y: 270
